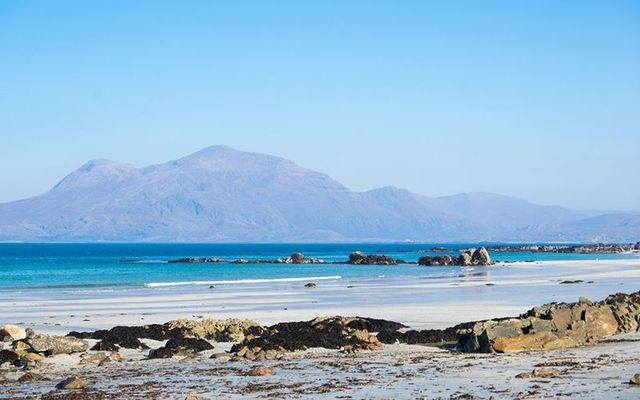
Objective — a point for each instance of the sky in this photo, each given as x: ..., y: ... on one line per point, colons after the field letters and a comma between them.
x: 539, y: 100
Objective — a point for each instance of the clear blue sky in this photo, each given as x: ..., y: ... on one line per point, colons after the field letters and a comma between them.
x: 533, y: 99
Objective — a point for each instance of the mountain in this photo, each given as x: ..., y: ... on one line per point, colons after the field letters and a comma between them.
x: 223, y: 195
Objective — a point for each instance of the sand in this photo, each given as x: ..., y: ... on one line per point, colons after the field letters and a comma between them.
x: 398, y: 371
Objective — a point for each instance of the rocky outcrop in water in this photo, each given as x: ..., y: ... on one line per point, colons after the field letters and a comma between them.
x: 600, y: 248
x: 295, y: 258
x: 467, y: 257
x: 555, y: 325
x: 359, y: 258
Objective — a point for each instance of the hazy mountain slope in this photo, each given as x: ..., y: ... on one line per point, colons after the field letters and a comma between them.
x: 221, y: 194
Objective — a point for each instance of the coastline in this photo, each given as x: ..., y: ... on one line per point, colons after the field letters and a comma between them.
x: 395, y: 371
x: 420, y: 302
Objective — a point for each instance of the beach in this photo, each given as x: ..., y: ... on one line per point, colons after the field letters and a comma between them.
x: 396, y: 371
x: 420, y: 302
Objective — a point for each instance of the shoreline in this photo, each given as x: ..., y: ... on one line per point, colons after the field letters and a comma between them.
x: 394, y: 371
x: 420, y: 302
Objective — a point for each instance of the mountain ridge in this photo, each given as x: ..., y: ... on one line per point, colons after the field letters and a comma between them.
x: 222, y: 194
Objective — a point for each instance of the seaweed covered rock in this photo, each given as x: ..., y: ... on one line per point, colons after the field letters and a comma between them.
x: 220, y: 330
x: 434, y: 337
x: 349, y: 334
x: 189, y: 344
x: 124, y: 336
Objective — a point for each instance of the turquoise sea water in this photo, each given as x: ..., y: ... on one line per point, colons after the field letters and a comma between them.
x: 52, y: 266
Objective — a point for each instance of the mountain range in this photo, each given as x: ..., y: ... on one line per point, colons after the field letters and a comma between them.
x: 224, y: 195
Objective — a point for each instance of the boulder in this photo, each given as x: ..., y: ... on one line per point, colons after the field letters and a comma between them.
x: 188, y: 344
x: 464, y: 259
x: 297, y: 258
x: 51, y: 345
x: 162, y: 352
x: 635, y: 379
x: 11, y: 333
x: 357, y: 257
x: 310, y: 285
x: 105, y: 345
x: 480, y: 257
x: 71, y: 383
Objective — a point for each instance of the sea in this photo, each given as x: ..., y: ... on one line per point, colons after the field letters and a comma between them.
x: 69, y: 266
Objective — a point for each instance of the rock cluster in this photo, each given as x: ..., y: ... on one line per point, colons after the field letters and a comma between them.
x: 350, y: 334
x: 554, y: 326
x: 180, y: 346
x: 295, y: 258
x: 599, y: 248
x: 31, y: 349
x: 220, y: 330
x: 434, y: 337
x: 467, y: 257
x: 359, y: 258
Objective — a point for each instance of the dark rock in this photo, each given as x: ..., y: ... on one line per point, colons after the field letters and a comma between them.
x: 8, y: 356
x: 162, y: 352
x: 310, y: 285
x: 433, y: 261
x: 330, y: 333
x: 481, y: 257
x: 374, y: 324
x: 297, y: 258
x: 126, y: 336
x: 105, y: 345
x: 436, y: 337
x: 359, y: 258
x: 191, y: 344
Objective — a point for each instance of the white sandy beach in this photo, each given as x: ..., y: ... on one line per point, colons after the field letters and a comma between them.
x: 398, y: 371
x: 481, y: 293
